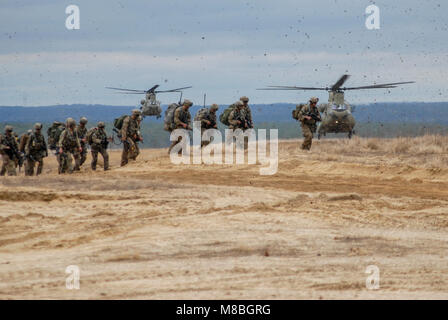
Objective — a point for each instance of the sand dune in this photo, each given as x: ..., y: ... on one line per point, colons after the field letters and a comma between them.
x: 155, y: 230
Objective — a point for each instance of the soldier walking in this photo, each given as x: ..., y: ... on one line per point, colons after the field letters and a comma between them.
x: 98, y: 144
x: 69, y: 146
x: 35, y: 151
x: 81, y: 130
x: 130, y: 136
x: 208, y: 121
x: 182, y: 120
x: 9, y: 150
x: 247, y: 112
x: 308, y: 117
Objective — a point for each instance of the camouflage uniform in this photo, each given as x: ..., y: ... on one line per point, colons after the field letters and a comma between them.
x: 99, y: 145
x: 24, y: 139
x: 81, y: 130
x: 130, y: 135
x: 8, y: 156
x: 53, y: 135
x: 70, y: 145
x: 35, y: 151
x: 181, y: 117
x: 308, y: 126
x: 237, y: 120
x: 208, y: 121
x: 245, y: 110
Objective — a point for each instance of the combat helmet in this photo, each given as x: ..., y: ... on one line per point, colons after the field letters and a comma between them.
x: 187, y: 103
x: 37, y: 126
x: 83, y: 120
x: 101, y: 124
x: 244, y: 99
x: 70, y: 122
x: 136, y: 112
x: 314, y: 100
x: 214, y: 107
x: 8, y: 128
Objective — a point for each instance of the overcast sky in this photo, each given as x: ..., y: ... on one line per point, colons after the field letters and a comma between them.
x: 222, y: 48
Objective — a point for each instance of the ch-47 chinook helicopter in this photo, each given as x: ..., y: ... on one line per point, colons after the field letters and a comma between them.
x: 150, y: 106
x: 337, y: 113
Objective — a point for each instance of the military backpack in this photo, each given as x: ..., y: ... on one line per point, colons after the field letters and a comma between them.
x: 295, y: 112
x: 169, y: 117
x: 118, y: 122
x: 224, y: 117
x: 203, y: 112
x: 90, y: 134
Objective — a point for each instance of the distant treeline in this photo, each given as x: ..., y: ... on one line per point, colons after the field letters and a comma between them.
x: 410, y: 112
x: 155, y: 137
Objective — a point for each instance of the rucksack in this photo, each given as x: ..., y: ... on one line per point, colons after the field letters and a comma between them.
x: 118, y: 122
x: 200, y: 114
x: 169, y: 117
x: 90, y: 134
x: 57, y: 133
x: 295, y: 112
x: 224, y: 117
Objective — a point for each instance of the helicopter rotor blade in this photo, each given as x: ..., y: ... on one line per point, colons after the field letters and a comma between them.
x: 340, y: 82
x: 291, y: 88
x: 122, y: 89
x: 174, y: 90
x: 379, y: 86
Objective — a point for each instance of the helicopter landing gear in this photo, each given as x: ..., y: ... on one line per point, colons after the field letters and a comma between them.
x: 350, y: 134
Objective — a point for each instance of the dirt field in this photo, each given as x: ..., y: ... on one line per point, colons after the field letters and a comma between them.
x: 155, y: 230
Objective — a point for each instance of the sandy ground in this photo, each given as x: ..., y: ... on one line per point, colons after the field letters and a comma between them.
x: 155, y: 230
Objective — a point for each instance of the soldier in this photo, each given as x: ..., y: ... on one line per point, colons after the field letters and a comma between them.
x: 81, y: 130
x: 308, y: 124
x: 9, y: 150
x: 24, y: 139
x: 51, y: 133
x: 99, y: 143
x: 237, y: 119
x: 130, y: 135
x: 69, y: 146
x: 182, y: 120
x: 246, y: 111
x: 35, y: 151
x: 208, y: 121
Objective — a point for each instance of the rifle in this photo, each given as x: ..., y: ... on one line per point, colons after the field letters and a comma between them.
x: 313, y: 116
x: 13, y: 152
x: 105, y: 142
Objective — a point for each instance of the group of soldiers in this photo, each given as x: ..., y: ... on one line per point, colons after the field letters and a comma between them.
x: 69, y: 141
x: 239, y: 118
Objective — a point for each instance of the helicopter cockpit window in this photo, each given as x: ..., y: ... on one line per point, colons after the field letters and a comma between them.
x: 339, y: 107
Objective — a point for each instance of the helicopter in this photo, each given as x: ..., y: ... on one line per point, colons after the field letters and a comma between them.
x: 150, y: 106
x: 337, y: 113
